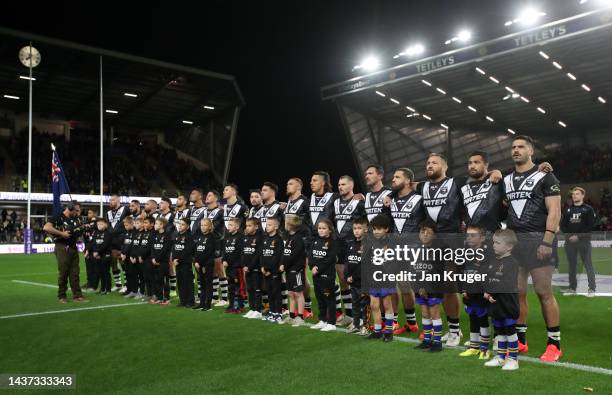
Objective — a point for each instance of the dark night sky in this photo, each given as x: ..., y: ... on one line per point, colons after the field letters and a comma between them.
x: 281, y: 52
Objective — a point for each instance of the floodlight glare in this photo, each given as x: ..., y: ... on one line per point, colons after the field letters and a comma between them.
x: 370, y: 63
x: 415, y: 50
x: 464, y: 35
x: 530, y: 16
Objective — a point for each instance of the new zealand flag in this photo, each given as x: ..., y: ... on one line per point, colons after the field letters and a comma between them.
x: 59, y: 183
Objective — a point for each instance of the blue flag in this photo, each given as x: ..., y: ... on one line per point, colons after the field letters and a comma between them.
x: 59, y: 184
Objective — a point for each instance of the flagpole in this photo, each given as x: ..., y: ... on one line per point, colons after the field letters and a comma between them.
x: 28, y: 225
x: 101, y: 141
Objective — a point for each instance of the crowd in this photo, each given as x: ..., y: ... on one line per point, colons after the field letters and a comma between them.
x: 582, y: 163
x: 122, y: 173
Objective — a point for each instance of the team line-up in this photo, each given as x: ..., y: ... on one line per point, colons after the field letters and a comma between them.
x: 260, y: 255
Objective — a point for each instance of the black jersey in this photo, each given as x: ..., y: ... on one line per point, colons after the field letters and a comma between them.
x: 180, y: 214
x: 482, y: 201
x: 236, y: 210
x: 253, y: 212
x: 294, y: 253
x: 353, y: 263
x: 169, y: 217
x: 215, y: 215
x: 115, y: 219
x: 271, y: 210
x: 160, y: 246
x: 126, y: 246
x: 251, y: 245
x: 271, y: 252
x: 195, y: 216
x: 204, y: 245
x: 321, y: 207
x: 407, y: 212
x: 345, y: 212
x: 183, y: 248
x: 101, y: 243
x: 374, y: 202
x: 232, y: 249
x: 442, y: 201
x: 297, y: 207
x: 526, y: 193
x: 324, y: 255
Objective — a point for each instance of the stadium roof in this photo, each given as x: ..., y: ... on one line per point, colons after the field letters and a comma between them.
x: 67, y: 86
x: 551, y: 82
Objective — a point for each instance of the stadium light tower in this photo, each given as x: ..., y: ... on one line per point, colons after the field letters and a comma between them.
x: 527, y: 17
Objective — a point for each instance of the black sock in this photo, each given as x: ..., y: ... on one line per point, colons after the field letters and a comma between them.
x: 410, y: 316
x: 521, y: 330
x: 292, y: 314
x: 453, y: 325
x: 301, y: 316
x: 554, y: 336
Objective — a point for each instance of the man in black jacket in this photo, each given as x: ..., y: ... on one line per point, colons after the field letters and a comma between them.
x: 577, y: 224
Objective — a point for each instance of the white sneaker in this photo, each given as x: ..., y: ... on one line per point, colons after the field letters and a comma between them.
x: 297, y: 321
x: 495, y: 362
x: 130, y: 295
x: 511, y: 364
x: 591, y: 293
x: 351, y: 327
x: 115, y: 288
x: 286, y: 320
x: 319, y: 325
x: 221, y: 303
x: 123, y: 289
x: 569, y: 292
x: 256, y: 315
x: 328, y: 328
x: 248, y: 314
x: 214, y: 301
x: 445, y: 336
x: 138, y: 295
x: 452, y: 340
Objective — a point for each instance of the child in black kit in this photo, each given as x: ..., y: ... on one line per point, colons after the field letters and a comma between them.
x: 160, y: 255
x: 322, y: 262
x: 501, y: 290
x: 293, y: 264
x: 251, y: 245
x: 204, y: 263
x: 232, y: 248
x: 136, y: 258
x: 126, y: 246
x: 182, y: 257
x: 476, y: 306
x: 352, y: 273
x: 100, y: 249
x: 271, y: 254
x: 145, y: 256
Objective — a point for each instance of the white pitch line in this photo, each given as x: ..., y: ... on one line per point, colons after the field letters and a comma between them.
x: 5, y: 317
x: 567, y: 365
x: 34, y: 283
x: 26, y: 274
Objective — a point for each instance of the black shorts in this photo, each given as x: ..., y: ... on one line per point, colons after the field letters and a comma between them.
x: 295, y: 280
x: 506, y: 306
x: 526, y: 251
